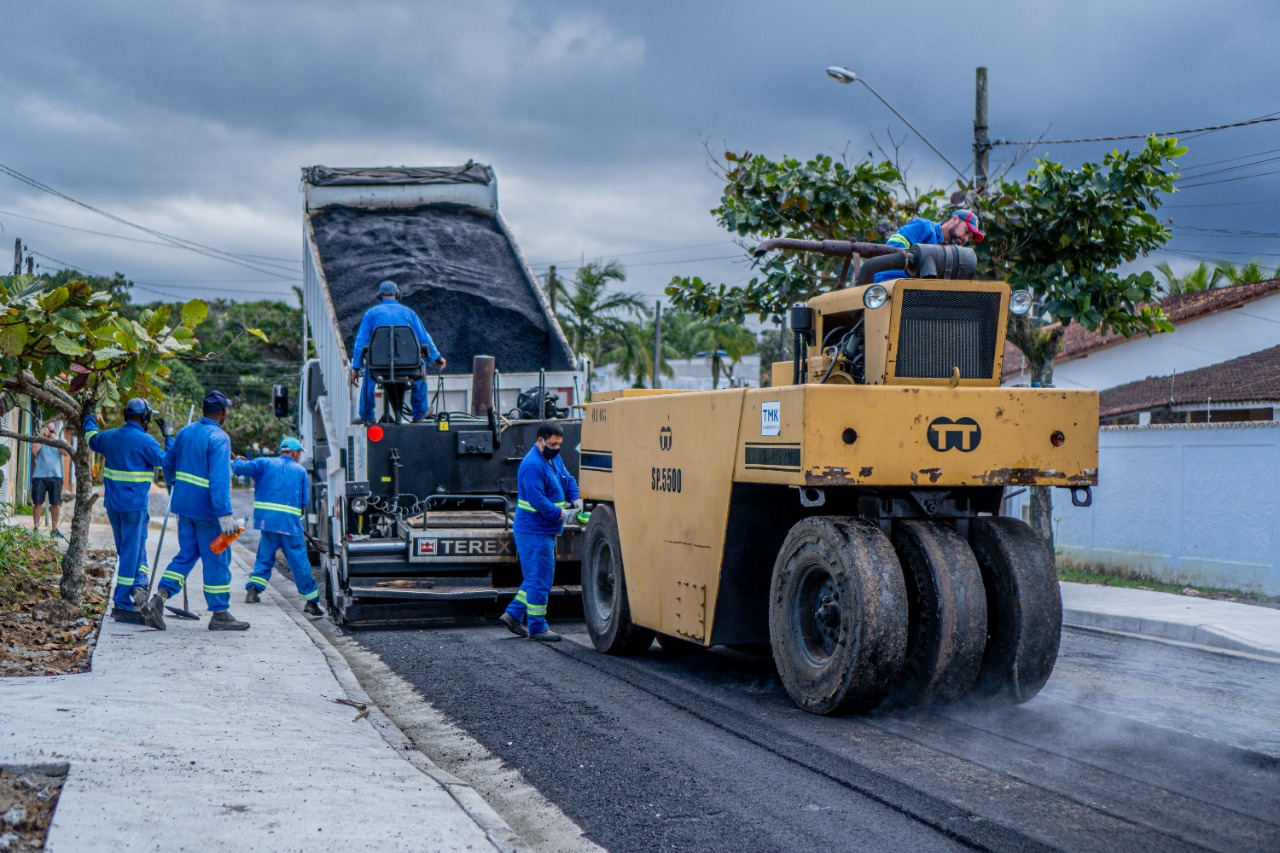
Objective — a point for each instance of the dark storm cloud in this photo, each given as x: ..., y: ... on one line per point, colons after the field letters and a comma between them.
x: 194, y: 118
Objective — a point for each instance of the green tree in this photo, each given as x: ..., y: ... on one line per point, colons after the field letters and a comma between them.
x: 821, y: 199
x: 1201, y: 277
x: 595, y: 319
x: 1061, y: 233
x: 723, y: 343
x: 1246, y: 273
x: 630, y: 347
x: 63, y: 344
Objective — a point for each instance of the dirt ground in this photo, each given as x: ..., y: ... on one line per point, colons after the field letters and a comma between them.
x: 27, y: 797
x: 40, y: 634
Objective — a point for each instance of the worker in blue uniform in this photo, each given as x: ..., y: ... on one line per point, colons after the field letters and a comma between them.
x: 280, y: 493
x: 199, y: 468
x: 546, y: 497
x: 958, y: 229
x: 389, y: 312
x: 130, y: 459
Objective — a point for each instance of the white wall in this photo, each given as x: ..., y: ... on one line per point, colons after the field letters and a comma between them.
x: 1213, y: 339
x: 1194, y: 503
x: 691, y: 374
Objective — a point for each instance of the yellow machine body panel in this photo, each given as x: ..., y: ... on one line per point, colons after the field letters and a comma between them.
x: 669, y: 463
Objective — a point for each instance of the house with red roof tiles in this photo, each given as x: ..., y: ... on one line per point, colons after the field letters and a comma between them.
x: 1212, y: 327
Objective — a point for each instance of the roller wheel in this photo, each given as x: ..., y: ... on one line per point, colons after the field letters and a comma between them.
x: 604, y: 591
x: 948, y: 606
x: 1024, y: 606
x: 837, y: 615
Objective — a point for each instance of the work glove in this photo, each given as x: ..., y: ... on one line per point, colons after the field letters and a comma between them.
x: 439, y: 363
x: 165, y: 426
x: 88, y: 408
x: 229, y: 526
x: 567, y: 515
x: 577, y: 505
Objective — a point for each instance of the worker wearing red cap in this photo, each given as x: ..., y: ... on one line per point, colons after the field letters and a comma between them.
x: 957, y: 229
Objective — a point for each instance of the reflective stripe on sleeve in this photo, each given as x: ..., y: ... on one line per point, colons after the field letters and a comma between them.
x: 184, y: 477
x: 899, y: 240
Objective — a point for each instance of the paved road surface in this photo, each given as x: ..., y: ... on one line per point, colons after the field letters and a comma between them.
x: 1133, y: 745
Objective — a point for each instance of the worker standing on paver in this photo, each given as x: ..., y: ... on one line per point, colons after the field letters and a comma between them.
x: 280, y: 493
x: 389, y: 312
x: 130, y: 459
x: 546, y: 497
x: 956, y: 229
x: 199, y: 467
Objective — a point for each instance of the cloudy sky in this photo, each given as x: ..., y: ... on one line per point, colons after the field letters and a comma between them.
x: 194, y: 118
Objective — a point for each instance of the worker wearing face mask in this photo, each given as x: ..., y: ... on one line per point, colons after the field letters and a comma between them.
x: 546, y: 497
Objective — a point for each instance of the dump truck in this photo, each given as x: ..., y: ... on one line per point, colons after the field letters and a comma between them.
x: 411, y: 520
x: 847, y: 517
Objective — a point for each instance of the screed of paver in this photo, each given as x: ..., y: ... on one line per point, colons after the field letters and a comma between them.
x: 184, y: 739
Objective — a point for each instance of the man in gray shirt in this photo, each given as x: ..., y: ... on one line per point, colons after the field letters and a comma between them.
x: 46, y: 480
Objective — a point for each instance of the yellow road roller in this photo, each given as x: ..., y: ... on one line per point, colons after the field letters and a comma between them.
x: 849, y: 515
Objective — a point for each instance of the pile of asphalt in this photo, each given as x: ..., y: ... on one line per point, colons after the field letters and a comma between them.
x: 455, y: 267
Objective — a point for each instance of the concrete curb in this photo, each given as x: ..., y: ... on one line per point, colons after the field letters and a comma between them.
x: 499, y: 833
x: 1159, y: 629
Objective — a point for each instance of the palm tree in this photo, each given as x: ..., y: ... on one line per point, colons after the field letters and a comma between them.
x: 720, y: 341
x: 594, y: 319
x: 1201, y: 277
x: 632, y: 352
x: 1246, y: 273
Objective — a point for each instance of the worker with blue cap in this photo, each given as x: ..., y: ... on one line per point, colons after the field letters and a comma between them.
x: 199, y: 469
x: 280, y: 496
x: 389, y: 312
x: 130, y: 459
x: 957, y: 229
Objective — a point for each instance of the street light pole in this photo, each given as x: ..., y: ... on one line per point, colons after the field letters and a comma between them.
x: 843, y: 75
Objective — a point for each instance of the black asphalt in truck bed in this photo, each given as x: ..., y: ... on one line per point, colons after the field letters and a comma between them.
x: 455, y: 267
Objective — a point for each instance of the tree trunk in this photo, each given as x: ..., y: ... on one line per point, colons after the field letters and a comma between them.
x: 1040, y: 346
x: 72, y: 585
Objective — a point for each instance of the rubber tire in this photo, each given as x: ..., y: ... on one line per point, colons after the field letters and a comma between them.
x: 1024, y: 606
x: 872, y: 631
x: 610, y: 626
x: 947, y: 599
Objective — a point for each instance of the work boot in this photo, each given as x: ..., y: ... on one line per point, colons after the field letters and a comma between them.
x: 224, y: 621
x: 514, y: 625
x: 139, y: 596
x: 251, y: 595
x: 153, y: 612
x: 131, y: 617
x: 547, y: 636
x: 312, y: 609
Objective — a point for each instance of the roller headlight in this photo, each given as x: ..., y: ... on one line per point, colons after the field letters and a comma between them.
x: 875, y: 296
x: 1020, y: 302
x: 359, y: 505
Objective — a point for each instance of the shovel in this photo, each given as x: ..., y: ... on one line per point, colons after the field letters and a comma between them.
x: 181, y: 612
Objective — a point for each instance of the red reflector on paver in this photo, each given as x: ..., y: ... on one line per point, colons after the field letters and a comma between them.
x: 375, y: 433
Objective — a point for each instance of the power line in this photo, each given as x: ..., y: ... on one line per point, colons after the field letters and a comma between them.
x: 633, y: 254
x: 190, y: 245
x: 1210, y: 128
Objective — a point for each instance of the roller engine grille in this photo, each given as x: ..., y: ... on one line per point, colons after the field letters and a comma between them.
x: 942, y: 329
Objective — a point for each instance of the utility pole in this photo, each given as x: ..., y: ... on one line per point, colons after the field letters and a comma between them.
x: 657, y: 341
x: 981, y: 147
x: 17, y: 256
x: 552, y: 284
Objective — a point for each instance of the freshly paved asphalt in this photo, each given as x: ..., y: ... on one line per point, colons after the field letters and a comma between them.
x: 1133, y: 745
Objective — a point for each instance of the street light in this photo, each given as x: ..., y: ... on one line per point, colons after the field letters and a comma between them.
x: 843, y: 75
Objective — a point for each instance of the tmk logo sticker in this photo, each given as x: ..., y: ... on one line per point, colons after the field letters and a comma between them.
x: 426, y: 547
x: 962, y: 434
x: 771, y: 418
x: 664, y: 438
